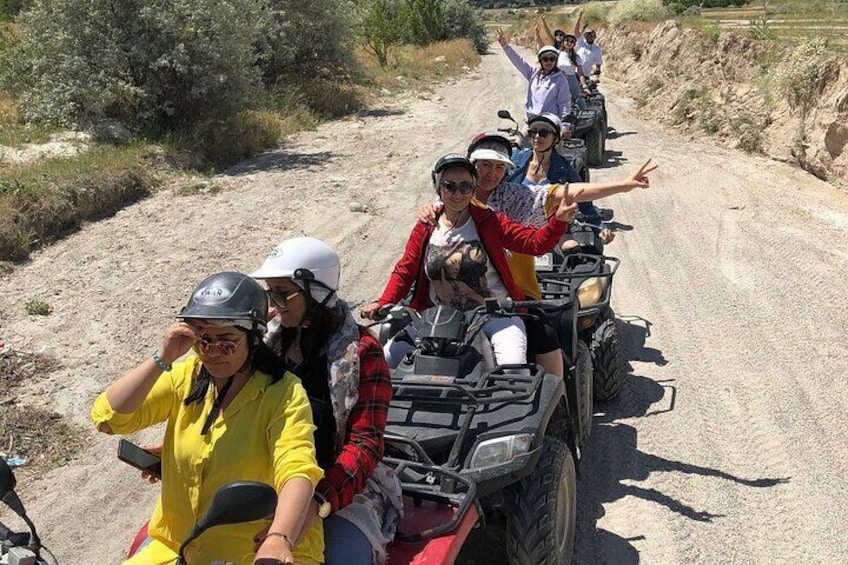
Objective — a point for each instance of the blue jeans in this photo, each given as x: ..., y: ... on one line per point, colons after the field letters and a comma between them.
x: 345, y: 544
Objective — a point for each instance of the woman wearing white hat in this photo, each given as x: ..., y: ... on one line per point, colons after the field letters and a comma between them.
x: 547, y: 89
x: 347, y: 380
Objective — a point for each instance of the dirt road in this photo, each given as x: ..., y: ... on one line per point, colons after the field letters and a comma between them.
x: 728, y: 446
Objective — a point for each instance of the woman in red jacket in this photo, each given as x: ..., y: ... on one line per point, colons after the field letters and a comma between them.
x: 460, y: 261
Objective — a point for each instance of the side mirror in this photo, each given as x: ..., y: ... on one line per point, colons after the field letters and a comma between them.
x: 235, y: 503
x: 504, y: 115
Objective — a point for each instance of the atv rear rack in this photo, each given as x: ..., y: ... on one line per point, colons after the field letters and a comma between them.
x: 502, y: 384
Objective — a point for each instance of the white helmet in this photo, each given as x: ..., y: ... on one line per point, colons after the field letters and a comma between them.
x: 306, y: 261
x: 547, y: 49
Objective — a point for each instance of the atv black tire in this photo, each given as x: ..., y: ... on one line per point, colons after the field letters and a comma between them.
x: 584, y: 391
x: 595, y: 144
x: 608, y: 378
x: 584, y: 174
x: 541, y: 521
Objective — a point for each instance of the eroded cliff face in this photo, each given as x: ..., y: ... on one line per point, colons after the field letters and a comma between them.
x: 790, y: 104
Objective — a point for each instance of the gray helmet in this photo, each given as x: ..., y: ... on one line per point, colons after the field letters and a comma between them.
x: 229, y: 296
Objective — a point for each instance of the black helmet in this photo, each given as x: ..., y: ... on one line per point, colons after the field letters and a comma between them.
x: 229, y: 296
x: 450, y: 161
x: 559, y: 32
x: 493, y: 141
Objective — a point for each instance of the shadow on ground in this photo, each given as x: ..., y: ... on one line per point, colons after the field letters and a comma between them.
x: 613, y: 462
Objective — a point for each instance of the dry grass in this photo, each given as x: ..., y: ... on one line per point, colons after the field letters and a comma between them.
x: 39, y: 435
x: 411, y: 65
x: 43, y: 201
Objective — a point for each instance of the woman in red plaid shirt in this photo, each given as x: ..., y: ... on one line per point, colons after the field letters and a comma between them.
x: 346, y: 377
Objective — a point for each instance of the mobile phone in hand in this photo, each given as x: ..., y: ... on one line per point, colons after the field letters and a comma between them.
x: 139, y: 458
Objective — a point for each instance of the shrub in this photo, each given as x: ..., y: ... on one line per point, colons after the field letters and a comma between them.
x: 425, y: 21
x: 794, y: 76
x: 153, y: 63
x: 306, y: 39
x: 638, y: 10
x: 463, y: 20
x: 36, y: 307
x: 9, y: 9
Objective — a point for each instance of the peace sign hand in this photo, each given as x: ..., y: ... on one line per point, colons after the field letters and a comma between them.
x: 639, y: 179
x: 568, y: 206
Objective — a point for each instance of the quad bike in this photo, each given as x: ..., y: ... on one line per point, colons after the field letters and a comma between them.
x: 595, y: 99
x: 476, y: 442
x: 574, y: 150
x: 589, y: 125
x: 19, y: 548
x: 588, y: 272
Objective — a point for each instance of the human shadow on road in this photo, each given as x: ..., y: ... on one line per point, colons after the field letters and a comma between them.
x: 611, y: 159
x: 612, y: 133
x: 613, y: 462
x: 280, y: 159
x: 633, y: 334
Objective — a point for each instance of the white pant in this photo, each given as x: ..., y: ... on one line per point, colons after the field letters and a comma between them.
x: 507, y: 335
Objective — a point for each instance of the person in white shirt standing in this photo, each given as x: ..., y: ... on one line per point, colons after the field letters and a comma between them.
x: 590, y: 54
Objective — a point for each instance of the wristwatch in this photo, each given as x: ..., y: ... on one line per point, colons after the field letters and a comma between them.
x: 324, y: 507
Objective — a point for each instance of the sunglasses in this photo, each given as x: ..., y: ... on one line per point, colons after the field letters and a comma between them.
x: 280, y: 299
x: 540, y: 133
x: 569, y: 40
x: 464, y: 188
x: 218, y: 347
x: 548, y: 59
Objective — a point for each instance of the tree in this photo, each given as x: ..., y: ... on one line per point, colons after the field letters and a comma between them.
x: 381, y: 25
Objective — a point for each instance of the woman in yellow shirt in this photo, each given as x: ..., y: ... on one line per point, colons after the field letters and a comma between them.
x: 253, y: 423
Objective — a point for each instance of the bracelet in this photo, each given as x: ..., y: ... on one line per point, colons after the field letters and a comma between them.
x: 286, y: 539
x: 159, y: 363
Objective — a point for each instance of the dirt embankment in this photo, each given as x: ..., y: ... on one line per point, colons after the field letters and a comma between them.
x: 791, y: 105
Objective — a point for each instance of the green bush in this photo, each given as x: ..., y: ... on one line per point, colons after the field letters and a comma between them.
x: 425, y: 21
x: 154, y: 63
x: 306, y: 39
x: 464, y: 21
x: 380, y: 26
x: 9, y: 9
x: 36, y: 307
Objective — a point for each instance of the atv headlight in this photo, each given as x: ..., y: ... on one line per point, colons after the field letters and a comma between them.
x: 590, y: 291
x: 500, y: 450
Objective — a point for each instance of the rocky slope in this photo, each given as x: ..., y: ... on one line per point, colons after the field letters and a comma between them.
x: 790, y: 104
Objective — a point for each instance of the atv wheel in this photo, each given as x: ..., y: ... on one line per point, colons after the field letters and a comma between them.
x: 584, y: 174
x: 542, y: 518
x: 584, y: 391
x: 609, y: 374
x: 595, y: 144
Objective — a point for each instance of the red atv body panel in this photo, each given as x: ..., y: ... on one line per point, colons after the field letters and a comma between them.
x: 442, y: 550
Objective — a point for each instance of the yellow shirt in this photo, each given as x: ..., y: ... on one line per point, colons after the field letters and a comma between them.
x: 265, y: 435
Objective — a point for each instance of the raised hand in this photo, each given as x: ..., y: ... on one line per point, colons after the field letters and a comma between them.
x: 568, y: 206
x: 178, y: 339
x: 639, y: 179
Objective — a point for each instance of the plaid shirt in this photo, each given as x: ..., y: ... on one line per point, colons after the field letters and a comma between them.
x: 363, y: 446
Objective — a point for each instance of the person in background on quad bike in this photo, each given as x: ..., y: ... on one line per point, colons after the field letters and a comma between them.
x: 346, y: 377
x: 568, y: 62
x: 547, y: 89
x: 591, y: 55
x: 233, y: 413
x: 460, y: 261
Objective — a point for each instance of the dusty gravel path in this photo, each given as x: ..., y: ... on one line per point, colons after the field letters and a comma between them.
x: 728, y: 446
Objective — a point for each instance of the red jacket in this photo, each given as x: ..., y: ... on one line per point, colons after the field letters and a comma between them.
x: 496, y: 231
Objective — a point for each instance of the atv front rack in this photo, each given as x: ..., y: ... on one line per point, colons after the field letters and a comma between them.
x: 502, y: 384
x: 429, y: 488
